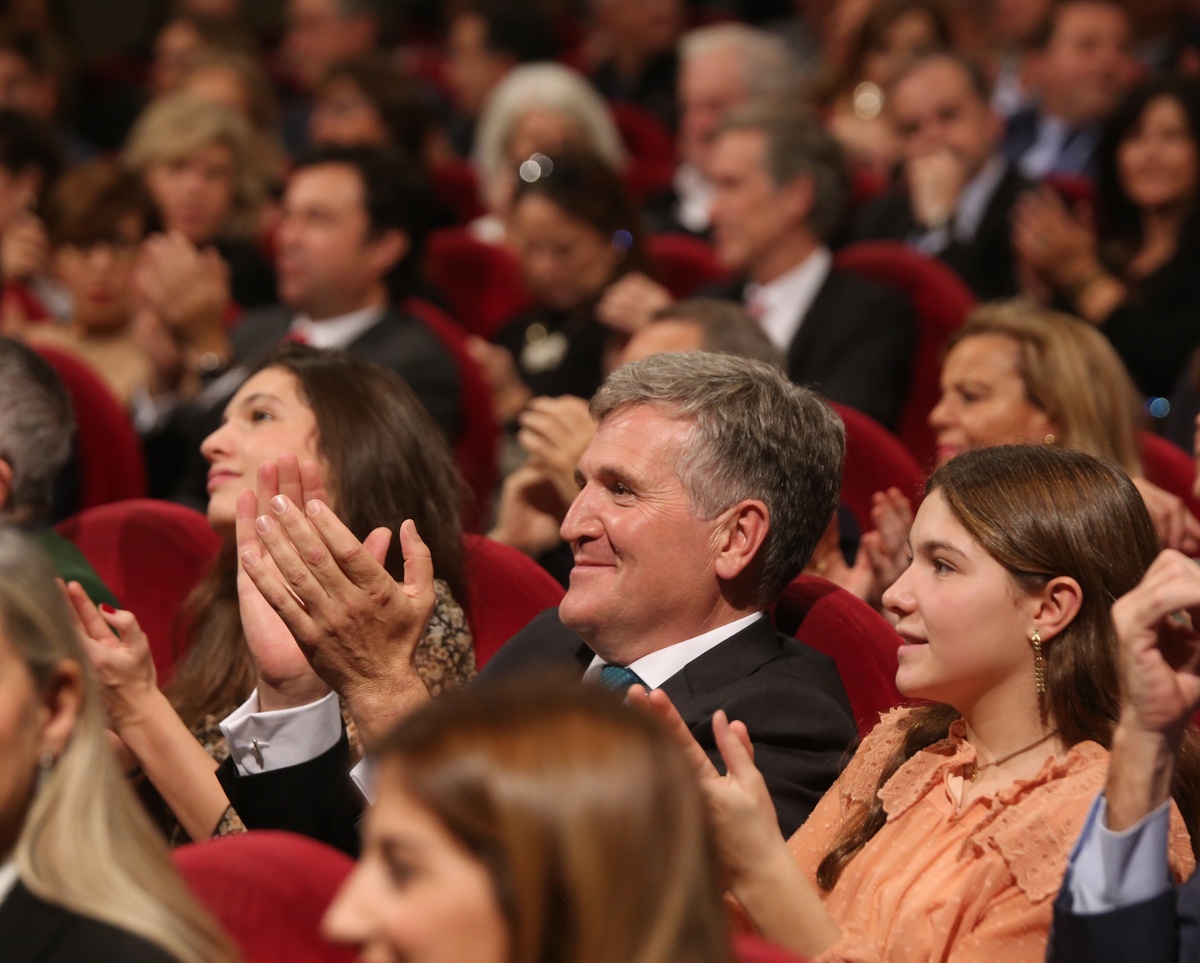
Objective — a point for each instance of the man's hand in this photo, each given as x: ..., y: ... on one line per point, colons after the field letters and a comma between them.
x: 188, y: 289
x: 357, y: 627
x: 1159, y: 645
x: 531, y: 512
x: 628, y: 305
x: 935, y: 183
x: 509, y: 393
x: 24, y: 248
x: 555, y: 432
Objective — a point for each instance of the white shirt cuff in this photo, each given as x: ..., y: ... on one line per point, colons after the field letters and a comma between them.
x: 1112, y: 870
x: 264, y: 741
x: 363, y: 775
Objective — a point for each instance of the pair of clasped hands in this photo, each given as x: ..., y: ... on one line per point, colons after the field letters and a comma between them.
x: 319, y: 611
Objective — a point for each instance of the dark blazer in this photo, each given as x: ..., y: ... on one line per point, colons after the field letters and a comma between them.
x: 855, y: 346
x: 1077, y: 157
x: 315, y: 798
x: 398, y: 341
x: 1162, y: 930
x: 789, y: 696
x: 34, y: 931
x: 986, y: 263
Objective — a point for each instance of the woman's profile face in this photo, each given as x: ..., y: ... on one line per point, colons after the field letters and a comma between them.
x: 19, y: 741
x: 984, y: 399
x: 964, y: 624
x: 194, y: 193
x: 565, y: 261
x: 267, y: 418
x: 1158, y: 161
x: 417, y: 895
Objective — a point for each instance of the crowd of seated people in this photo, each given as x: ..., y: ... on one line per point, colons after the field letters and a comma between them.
x: 358, y: 282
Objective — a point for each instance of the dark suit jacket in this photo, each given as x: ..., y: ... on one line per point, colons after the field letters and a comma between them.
x: 986, y: 263
x: 790, y: 697
x: 34, y: 931
x: 398, y: 341
x: 1162, y: 930
x: 855, y: 346
x: 1077, y: 157
x: 315, y: 798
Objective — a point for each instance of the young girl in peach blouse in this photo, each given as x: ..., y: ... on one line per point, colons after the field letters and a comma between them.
x: 948, y: 833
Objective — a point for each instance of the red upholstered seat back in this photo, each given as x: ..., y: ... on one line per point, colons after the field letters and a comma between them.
x: 683, y: 264
x: 875, y: 460
x: 508, y: 588
x: 941, y: 302
x: 269, y: 891
x: 111, y: 465
x: 151, y: 554
x: 853, y: 634
x: 478, y: 444
x: 1169, y: 467
x: 480, y: 282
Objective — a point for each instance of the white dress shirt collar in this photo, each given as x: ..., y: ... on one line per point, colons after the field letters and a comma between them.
x: 337, y: 332
x: 654, y: 669
x: 780, y: 306
x: 8, y: 878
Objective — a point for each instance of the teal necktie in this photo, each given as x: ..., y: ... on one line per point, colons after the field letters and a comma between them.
x: 619, y: 678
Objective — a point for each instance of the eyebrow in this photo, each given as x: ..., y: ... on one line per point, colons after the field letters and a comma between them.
x: 932, y: 545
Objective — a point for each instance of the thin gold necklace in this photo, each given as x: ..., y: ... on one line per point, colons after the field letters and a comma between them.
x: 971, y: 770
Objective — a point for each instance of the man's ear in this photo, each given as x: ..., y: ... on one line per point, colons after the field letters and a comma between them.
x: 6, y: 474
x: 798, y: 197
x: 387, y: 250
x: 741, y: 537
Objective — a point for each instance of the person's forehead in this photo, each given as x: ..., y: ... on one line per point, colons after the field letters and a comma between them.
x: 718, y: 69
x: 334, y: 184
x: 638, y: 433
x: 937, y: 82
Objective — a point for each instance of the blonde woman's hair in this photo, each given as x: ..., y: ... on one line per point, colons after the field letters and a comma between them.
x: 547, y: 85
x: 175, y: 126
x: 1072, y: 373
x: 86, y: 844
x: 585, y: 814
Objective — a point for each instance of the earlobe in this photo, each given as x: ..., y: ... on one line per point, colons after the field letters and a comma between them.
x: 62, y: 700
x: 389, y: 249
x: 1060, y: 601
x: 743, y: 535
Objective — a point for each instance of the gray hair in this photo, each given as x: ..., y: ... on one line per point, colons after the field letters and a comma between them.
x: 768, y: 68
x: 755, y: 435
x: 725, y: 327
x: 798, y: 146
x: 549, y: 85
x: 36, y: 425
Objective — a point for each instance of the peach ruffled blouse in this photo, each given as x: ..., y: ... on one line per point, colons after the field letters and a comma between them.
x: 937, y: 883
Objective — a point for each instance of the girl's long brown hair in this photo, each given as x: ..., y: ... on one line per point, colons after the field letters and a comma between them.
x: 1042, y: 512
x: 387, y: 461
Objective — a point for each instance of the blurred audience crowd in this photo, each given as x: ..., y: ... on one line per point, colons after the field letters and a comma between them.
x: 336, y: 344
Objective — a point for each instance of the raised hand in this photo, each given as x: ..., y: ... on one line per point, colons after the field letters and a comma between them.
x: 739, y: 804
x: 357, y: 627
x: 122, y: 663
x: 1177, y: 527
x: 1160, y: 685
x: 555, y: 432
x: 628, y: 305
x: 285, y: 678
